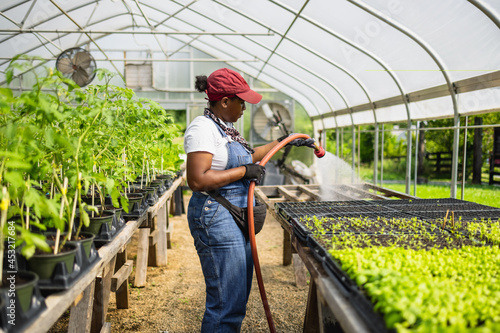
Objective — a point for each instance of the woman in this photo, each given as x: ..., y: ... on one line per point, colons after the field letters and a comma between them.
x: 218, y: 157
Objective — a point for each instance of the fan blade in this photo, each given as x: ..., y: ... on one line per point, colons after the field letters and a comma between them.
x: 82, y: 59
x: 65, y: 66
x: 266, y: 130
x: 81, y: 77
x: 267, y: 111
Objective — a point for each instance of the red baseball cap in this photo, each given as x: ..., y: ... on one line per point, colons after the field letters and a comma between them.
x: 225, y: 82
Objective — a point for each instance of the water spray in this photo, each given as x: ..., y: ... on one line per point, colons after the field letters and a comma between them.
x: 319, y: 152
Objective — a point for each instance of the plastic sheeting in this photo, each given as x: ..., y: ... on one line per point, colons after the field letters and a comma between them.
x: 329, y: 55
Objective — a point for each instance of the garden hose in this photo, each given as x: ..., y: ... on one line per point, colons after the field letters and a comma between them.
x: 319, y: 152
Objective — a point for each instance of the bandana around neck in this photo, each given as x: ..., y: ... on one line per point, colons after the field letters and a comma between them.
x: 232, y: 132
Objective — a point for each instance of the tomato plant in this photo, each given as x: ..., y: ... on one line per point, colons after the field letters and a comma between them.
x: 60, y: 142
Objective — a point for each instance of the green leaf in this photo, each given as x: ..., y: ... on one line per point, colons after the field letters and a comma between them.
x: 84, y: 218
x: 17, y: 164
x: 15, y: 178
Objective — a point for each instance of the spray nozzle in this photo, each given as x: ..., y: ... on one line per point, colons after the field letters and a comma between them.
x: 319, y: 151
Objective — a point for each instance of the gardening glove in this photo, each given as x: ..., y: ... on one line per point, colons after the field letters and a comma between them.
x: 298, y: 142
x: 254, y: 172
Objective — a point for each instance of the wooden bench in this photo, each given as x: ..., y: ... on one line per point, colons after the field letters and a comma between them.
x: 154, y: 235
x: 311, y: 192
x: 327, y: 308
x: 88, y: 298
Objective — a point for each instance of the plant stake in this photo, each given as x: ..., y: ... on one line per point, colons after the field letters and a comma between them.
x: 61, y: 212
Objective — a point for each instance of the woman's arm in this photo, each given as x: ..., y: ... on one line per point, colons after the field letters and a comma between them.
x: 201, y: 177
x: 261, y: 151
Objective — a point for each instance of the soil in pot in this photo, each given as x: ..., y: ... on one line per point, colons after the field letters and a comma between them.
x: 85, y: 238
x: 87, y: 198
x: 134, y: 202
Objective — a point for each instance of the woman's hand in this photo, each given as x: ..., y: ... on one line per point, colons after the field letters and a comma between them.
x: 254, y: 172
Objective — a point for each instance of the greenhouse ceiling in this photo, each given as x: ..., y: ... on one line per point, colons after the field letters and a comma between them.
x: 348, y: 62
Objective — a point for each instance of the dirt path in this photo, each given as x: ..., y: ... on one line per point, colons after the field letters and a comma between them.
x: 174, y: 298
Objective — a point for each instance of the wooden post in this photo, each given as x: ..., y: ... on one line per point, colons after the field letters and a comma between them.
x: 152, y: 241
x: 311, y: 320
x: 287, y: 248
x: 300, y: 271
x: 161, y: 247
x: 101, y: 296
x: 122, y: 290
x: 142, y: 257
x: 478, y: 152
x: 80, y: 316
x: 170, y: 227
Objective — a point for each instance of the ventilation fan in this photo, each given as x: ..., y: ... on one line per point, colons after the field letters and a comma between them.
x: 78, y: 65
x: 270, y: 121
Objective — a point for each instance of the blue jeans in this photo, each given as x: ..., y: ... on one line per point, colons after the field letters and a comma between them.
x: 226, y: 261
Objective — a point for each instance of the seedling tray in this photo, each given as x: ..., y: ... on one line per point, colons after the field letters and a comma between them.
x: 419, y: 201
x: 398, y: 223
x: 465, y: 215
x: 296, y: 209
x: 348, y: 287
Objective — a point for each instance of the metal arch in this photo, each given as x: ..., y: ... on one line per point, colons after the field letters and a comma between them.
x: 322, y: 57
x: 105, y: 33
x: 279, y: 69
x: 28, y: 12
x: 267, y: 74
x: 300, y: 66
x: 264, y: 46
x: 132, y: 32
x: 318, y: 55
x: 87, y: 34
x: 174, y: 14
x: 282, y: 37
x: 64, y: 13
x: 211, y: 46
x: 328, y: 103
x: 486, y: 11
x: 439, y: 63
x: 108, y: 18
x: 151, y: 26
x: 383, y: 65
x: 9, y: 19
x: 16, y: 5
x: 291, y: 61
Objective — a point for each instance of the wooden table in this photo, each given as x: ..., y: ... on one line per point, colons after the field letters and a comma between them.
x: 88, y: 298
x: 154, y: 235
x: 328, y: 310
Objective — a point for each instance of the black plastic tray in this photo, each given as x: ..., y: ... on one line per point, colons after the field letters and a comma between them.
x: 348, y: 288
x: 22, y: 319
x: 61, y: 279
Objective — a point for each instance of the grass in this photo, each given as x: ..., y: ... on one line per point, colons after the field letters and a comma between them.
x: 483, y: 194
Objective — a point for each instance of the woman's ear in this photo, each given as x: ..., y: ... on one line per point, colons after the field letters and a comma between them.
x: 223, y: 102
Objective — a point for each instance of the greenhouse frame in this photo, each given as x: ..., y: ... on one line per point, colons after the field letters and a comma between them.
x: 369, y: 62
x: 94, y: 94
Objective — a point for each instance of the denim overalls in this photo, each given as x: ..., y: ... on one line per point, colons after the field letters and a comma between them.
x: 225, y: 254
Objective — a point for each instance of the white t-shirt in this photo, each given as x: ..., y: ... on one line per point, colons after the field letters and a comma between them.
x: 203, y: 134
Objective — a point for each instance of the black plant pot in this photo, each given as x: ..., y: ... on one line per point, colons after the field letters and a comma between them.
x: 136, y: 206
x: 20, y: 300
